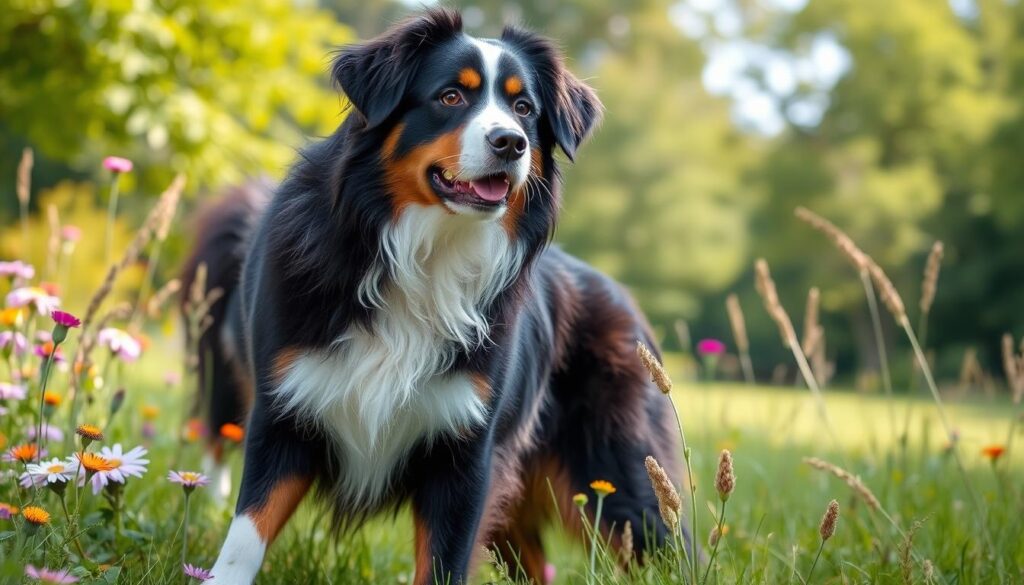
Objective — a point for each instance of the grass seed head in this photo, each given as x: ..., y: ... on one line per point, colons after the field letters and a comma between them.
x: 654, y: 367
x: 24, y: 185
x: 738, y: 323
x: 766, y: 288
x: 930, y: 284
x: 828, y: 522
x: 851, y: 480
x: 842, y: 241
x: 888, y: 293
x: 626, y: 550
x: 669, y: 503
x: 725, y: 479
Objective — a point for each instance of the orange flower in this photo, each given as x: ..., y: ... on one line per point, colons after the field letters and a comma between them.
x: 90, y: 432
x: 24, y: 453
x: 7, y: 510
x: 12, y: 317
x: 3, y: 440
x: 36, y: 515
x: 150, y: 412
x: 195, y: 430
x: 94, y: 463
x: 602, y: 487
x: 232, y: 432
x: 993, y: 452
x: 52, y: 398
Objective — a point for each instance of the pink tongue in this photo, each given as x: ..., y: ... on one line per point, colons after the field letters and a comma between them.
x: 490, y: 189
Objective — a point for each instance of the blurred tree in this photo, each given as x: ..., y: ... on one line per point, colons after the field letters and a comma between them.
x: 218, y: 89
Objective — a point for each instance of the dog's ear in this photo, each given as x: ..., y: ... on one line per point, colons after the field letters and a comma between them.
x: 570, y: 107
x: 375, y: 75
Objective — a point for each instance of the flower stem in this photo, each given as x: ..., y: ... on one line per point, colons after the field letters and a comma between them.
x: 47, y: 365
x: 714, y: 549
x: 815, y: 563
x: 594, y: 539
x: 111, y: 216
x: 883, y: 355
x: 693, y: 494
x: 184, y: 533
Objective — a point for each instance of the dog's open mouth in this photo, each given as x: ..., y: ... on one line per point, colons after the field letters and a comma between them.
x: 488, y: 192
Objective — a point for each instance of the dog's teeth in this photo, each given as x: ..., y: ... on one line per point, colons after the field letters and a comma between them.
x: 448, y: 175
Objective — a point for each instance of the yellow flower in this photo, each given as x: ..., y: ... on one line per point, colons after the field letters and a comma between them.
x: 602, y: 487
x: 580, y: 500
x: 150, y: 412
x: 52, y: 398
x: 12, y: 317
x: 90, y: 432
x: 36, y: 515
x: 94, y: 463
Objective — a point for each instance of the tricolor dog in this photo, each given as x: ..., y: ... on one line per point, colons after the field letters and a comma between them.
x: 397, y: 328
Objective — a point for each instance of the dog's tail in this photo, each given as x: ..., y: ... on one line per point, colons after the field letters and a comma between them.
x: 222, y: 230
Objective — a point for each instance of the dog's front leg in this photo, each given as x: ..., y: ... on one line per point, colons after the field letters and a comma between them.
x: 278, y: 472
x: 447, y: 506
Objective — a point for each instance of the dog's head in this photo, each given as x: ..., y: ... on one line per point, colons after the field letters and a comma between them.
x: 470, y: 124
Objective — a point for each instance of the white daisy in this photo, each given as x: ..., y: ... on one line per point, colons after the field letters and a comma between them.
x: 47, y: 472
x: 130, y: 464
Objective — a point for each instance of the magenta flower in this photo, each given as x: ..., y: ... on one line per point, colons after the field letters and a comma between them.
x: 116, y: 164
x: 549, y: 573
x: 70, y: 233
x: 198, y: 573
x: 65, y: 319
x: 44, y: 575
x: 710, y: 347
x: 10, y: 391
x: 18, y: 269
x: 189, y: 480
x: 12, y: 342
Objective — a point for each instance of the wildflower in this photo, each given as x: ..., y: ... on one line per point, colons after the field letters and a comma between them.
x: 7, y: 511
x: 12, y: 316
x: 63, y: 321
x: 725, y: 479
x: 993, y: 452
x: 36, y: 516
x: 116, y: 164
x: 49, y: 472
x: 148, y: 430
x: 53, y: 577
x: 172, y: 378
x: 93, y: 463
x: 580, y: 500
x: 122, y: 466
x: 52, y: 399
x: 18, y: 270
x: 50, y: 433
x: 49, y: 349
x: 188, y: 480
x: 70, y: 234
x: 602, y: 487
x: 714, y: 536
x: 43, y: 301
x: 120, y: 343
x: 12, y: 342
x: 25, y: 453
x: 194, y: 430
x: 549, y: 573
x: 232, y: 432
x: 197, y: 573
x: 150, y: 412
x: 669, y: 503
x: 710, y: 347
x: 89, y: 433
x: 11, y: 391
x: 828, y: 522
x: 658, y: 374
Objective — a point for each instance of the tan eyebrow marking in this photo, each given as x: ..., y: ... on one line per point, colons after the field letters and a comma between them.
x: 513, y: 85
x: 469, y: 78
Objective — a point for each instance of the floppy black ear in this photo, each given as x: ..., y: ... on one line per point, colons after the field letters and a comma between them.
x: 375, y: 75
x: 570, y: 107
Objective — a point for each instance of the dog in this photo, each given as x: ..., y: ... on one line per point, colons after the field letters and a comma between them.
x: 396, y: 327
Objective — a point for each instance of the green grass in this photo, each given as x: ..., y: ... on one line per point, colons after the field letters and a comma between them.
x: 772, y: 517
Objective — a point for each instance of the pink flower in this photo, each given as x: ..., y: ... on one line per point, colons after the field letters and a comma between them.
x: 70, y: 233
x: 148, y: 430
x: 65, y: 319
x: 121, y: 343
x: 197, y: 573
x: 116, y: 164
x: 549, y: 573
x: 50, y: 433
x: 130, y: 464
x: 59, y: 577
x: 710, y: 347
x: 44, y: 302
x: 18, y: 269
x: 10, y: 391
x: 188, y: 479
x: 13, y: 341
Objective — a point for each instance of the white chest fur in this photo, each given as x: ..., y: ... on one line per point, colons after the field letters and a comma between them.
x: 379, y: 390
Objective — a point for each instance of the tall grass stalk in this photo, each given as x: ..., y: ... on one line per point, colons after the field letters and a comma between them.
x: 883, y: 354
x: 24, y: 190
x: 739, y: 333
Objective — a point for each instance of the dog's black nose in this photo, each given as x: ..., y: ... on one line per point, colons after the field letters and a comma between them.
x: 506, y: 144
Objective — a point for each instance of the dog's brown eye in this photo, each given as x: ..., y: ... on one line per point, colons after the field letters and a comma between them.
x: 451, y: 98
x: 523, y: 108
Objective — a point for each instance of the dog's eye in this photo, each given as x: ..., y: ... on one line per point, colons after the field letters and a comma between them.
x: 451, y: 97
x: 523, y: 108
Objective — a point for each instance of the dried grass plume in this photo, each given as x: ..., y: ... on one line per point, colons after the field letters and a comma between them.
x: 828, y: 522
x: 669, y: 503
x: 657, y: 371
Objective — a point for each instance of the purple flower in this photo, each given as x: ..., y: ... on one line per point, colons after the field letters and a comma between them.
x: 65, y: 319
x: 18, y: 269
x: 198, y: 573
x: 44, y: 302
x: 50, y: 433
x: 148, y: 430
x: 10, y: 391
x: 710, y: 347
x: 189, y: 480
x: 57, y: 577
x: 121, y: 343
x: 116, y: 164
x: 12, y: 341
x: 70, y: 233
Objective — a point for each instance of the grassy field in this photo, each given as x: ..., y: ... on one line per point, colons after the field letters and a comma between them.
x: 772, y: 518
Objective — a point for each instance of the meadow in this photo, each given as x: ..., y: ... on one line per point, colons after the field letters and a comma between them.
x: 924, y: 493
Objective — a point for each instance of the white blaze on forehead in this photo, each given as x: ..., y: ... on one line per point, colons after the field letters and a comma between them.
x: 476, y: 159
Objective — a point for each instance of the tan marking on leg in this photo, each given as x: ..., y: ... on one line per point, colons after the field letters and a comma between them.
x: 284, y: 498
x: 424, y: 559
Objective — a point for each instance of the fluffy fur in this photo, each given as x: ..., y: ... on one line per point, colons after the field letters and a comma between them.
x: 398, y: 329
